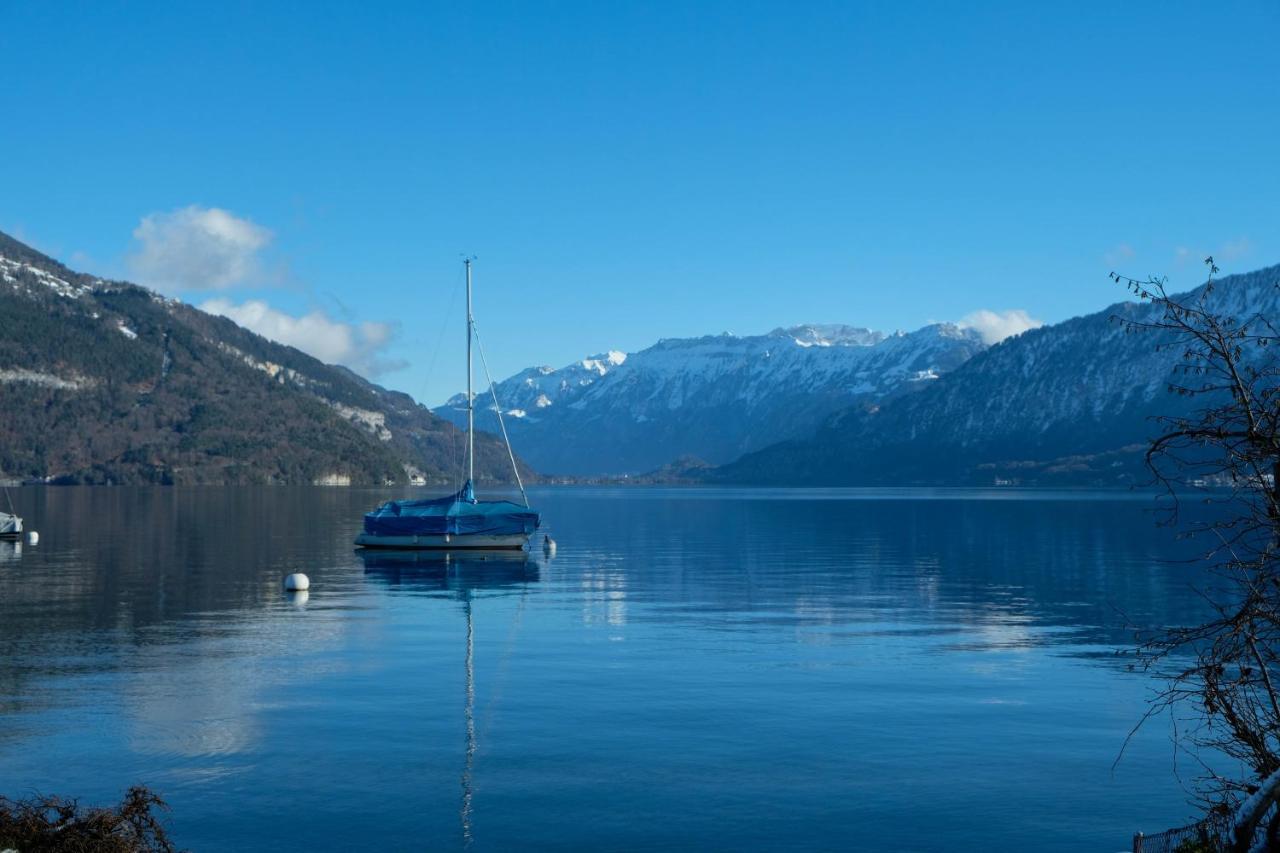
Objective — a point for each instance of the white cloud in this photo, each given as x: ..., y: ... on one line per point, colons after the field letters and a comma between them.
x: 1119, y: 254
x: 197, y: 248
x: 995, y: 326
x: 357, y: 345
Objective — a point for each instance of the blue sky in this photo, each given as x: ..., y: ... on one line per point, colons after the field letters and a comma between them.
x: 631, y: 171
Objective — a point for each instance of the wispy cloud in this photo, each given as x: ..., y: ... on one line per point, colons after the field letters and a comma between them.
x: 995, y: 326
x: 1234, y: 249
x: 198, y: 248
x: 1119, y: 254
x: 1231, y: 250
x: 359, y: 346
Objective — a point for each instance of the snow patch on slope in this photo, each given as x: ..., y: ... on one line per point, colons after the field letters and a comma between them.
x: 46, y: 380
x: 16, y: 273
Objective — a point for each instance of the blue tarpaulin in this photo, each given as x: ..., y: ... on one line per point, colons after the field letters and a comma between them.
x: 459, y: 513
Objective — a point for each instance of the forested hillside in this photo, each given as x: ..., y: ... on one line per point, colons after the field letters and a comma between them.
x: 1070, y: 403
x: 108, y: 382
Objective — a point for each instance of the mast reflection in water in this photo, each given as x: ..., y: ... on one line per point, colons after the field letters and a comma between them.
x: 463, y: 572
x: 697, y: 668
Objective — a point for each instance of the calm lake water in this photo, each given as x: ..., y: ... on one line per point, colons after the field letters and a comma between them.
x: 694, y: 669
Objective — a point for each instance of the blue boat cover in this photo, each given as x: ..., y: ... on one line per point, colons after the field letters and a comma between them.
x: 459, y: 514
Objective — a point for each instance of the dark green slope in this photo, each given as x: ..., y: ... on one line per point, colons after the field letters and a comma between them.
x: 108, y: 382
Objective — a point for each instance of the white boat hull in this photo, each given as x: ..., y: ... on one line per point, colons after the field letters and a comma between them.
x: 10, y: 526
x: 445, y: 542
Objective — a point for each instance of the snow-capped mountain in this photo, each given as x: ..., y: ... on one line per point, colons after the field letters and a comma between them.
x: 713, y: 397
x: 1071, y: 402
x: 536, y: 389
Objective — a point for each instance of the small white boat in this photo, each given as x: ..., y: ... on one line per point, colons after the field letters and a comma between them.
x: 457, y: 521
x: 10, y: 526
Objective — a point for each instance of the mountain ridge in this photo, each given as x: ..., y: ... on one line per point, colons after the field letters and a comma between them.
x: 712, y: 397
x: 1068, y: 403
x: 108, y: 382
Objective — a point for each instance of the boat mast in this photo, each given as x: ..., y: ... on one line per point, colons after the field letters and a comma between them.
x: 471, y: 400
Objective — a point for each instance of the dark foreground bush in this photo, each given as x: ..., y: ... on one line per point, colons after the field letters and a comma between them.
x: 55, y: 825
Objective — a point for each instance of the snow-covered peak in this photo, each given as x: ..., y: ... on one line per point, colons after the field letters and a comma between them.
x: 948, y: 331
x: 601, y: 364
x: 829, y: 335
x: 539, y: 388
x: 716, y: 395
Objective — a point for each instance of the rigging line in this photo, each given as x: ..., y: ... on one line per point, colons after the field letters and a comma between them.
x: 431, y: 366
x: 493, y: 389
x: 444, y: 321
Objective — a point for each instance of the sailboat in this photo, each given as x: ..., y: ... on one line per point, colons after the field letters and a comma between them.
x: 460, y: 520
x: 10, y: 524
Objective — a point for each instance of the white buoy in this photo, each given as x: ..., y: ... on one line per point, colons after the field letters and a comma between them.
x: 297, y: 582
x: 548, y: 545
x: 32, y: 537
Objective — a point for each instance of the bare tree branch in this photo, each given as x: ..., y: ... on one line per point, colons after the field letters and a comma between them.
x: 1218, y: 677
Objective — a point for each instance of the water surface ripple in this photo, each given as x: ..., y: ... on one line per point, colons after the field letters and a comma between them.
x: 694, y: 669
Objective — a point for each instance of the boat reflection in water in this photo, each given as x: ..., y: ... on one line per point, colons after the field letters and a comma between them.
x: 463, y: 572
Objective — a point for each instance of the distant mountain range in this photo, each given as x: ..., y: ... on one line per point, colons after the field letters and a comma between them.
x: 712, y: 398
x: 1065, y: 404
x: 107, y: 382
